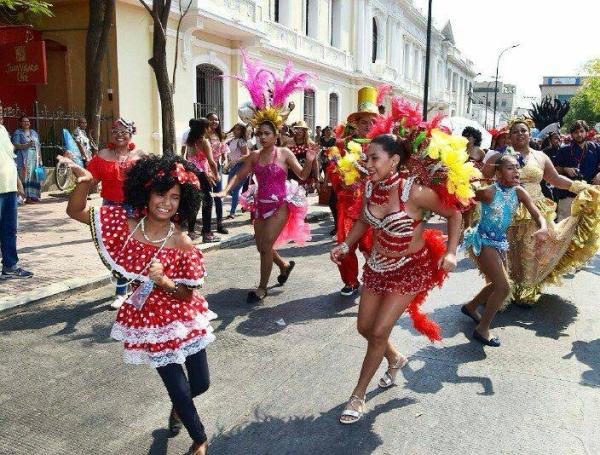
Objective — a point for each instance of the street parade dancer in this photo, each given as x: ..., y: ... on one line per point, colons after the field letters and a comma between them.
x: 109, y: 167
x: 407, y: 260
x: 347, y: 176
x: 487, y: 243
x: 164, y: 323
x: 279, y: 206
x: 571, y: 242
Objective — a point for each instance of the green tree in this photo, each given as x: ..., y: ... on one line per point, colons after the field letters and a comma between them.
x: 23, y: 11
x: 582, y: 108
x: 585, y: 105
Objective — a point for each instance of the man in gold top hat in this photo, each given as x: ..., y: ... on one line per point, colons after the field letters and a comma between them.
x: 349, y: 199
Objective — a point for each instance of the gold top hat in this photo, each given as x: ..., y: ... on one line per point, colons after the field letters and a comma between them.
x: 367, y: 104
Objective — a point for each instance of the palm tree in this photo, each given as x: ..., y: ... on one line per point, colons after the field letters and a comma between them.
x: 548, y: 111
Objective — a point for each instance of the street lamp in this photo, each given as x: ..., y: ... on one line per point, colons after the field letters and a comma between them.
x: 496, y: 86
x: 427, y: 55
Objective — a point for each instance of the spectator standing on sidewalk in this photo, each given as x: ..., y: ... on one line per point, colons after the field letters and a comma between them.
x: 199, y: 154
x: 8, y: 207
x: 80, y: 136
x: 220, y: 152
x: 238, y: 151
x: 579, y: 160
x: 27, y: 144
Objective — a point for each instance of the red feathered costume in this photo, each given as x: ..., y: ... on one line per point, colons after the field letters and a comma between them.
x: 349, y: 201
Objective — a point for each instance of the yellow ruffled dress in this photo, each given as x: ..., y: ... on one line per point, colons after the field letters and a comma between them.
x: 572, y: 242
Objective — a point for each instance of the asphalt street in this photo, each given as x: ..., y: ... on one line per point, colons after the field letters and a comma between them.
x: 281, y: 372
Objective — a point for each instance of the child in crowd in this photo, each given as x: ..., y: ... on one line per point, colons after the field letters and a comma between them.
x: 488, y: 244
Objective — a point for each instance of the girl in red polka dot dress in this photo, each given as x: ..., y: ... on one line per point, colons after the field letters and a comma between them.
x: 164, y: 323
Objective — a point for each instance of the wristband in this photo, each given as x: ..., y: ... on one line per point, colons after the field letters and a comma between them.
x: 344, y: 248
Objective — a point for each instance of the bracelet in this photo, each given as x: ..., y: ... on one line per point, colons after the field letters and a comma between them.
x: 344, y: 248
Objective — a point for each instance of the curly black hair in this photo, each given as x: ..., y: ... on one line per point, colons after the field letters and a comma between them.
x: 469, y: 131
x: 142, y: 180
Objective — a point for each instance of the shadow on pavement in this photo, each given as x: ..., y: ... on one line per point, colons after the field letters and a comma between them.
x: 309, y: 435
x: 262, y: 321
x: 67, y: 317
x: 160, y: 442
x: 441, y: 367
x: 593, y: 266
x: 588, y: 353
x: 548, y: 318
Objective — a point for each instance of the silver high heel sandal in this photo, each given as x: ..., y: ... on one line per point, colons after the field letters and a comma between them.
x: 389, y: 377
x: 352, y: 412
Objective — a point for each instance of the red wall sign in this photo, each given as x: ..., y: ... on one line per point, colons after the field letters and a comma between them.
x: 23, y: 64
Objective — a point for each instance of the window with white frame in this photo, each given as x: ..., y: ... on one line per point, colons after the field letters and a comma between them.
x: 334, y: 103
x: 336, y: 23
x: 309, y: 108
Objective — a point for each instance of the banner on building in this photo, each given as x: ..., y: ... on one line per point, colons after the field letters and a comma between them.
x: 23, y: 64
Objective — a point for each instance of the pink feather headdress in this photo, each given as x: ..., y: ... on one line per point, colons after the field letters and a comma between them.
x: 268, y: 91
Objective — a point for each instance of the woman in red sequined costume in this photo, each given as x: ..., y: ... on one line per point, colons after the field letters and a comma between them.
x: 407, y: 261
x: 165, y: 323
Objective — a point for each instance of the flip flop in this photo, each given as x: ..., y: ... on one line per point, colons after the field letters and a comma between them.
x: 282, y: 278
x: 466, y: 312
x: 494, y: 341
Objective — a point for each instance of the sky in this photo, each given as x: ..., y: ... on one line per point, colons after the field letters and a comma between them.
x: 555, y: 37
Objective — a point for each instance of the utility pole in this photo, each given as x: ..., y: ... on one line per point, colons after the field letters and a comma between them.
x: 427, y: 56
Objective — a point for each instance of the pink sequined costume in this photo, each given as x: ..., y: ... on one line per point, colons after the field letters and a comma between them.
x: 272, y: 191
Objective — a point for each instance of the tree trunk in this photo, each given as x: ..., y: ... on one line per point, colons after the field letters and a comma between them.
x: 158, y: 62
x: 99, y: 25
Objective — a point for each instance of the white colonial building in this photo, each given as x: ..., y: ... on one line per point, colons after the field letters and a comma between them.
x: 346, y: 43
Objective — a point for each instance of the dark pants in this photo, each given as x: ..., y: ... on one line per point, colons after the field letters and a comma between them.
x: 8, y: 229
x: 205, y: 203
x: 333, y: 206
x: 182, y: 391
x: 218, y: 201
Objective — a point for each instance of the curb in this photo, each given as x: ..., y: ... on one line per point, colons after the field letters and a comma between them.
x: 68, y: 287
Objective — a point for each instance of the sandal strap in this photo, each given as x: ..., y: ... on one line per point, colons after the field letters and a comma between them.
x: 351, y: 413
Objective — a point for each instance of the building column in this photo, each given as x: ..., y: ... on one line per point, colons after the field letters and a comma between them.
x: 368, y: 39
x: 285, y: 12
x: 381, y: 37
x: 359, y: 39
x: 398, y: 41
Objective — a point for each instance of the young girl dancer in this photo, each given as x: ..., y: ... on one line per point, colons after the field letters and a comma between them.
x: 279, y: 206
x: 164, y: 323
x: 488, y: 244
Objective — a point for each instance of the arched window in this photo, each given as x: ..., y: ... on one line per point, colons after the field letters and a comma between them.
x: 374, y: 49
x: 309, y: 108
x: 209, y: 91
x: 334, y: 103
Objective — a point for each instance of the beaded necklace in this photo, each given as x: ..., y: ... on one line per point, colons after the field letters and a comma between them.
x: 379, y: 193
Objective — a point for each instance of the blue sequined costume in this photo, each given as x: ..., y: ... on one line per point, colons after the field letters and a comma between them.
x: 495, y: 220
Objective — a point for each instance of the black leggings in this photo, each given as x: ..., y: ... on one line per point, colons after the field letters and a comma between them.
x: 182, y: 391
x: 333, y: 206
x: 206, y: 202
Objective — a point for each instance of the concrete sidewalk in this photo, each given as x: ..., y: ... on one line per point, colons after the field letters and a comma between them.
x: 60, y: 253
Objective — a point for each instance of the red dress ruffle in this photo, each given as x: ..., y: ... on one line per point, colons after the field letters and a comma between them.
x: 165, y: 330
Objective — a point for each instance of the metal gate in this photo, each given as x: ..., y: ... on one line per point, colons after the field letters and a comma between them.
x: 209, y: 91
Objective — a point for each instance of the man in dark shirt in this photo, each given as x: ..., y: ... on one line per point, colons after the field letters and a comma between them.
x: 579, y: 160
x: 552, y: 146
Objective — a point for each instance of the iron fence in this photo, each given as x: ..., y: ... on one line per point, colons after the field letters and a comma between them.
x: 49, y: 125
